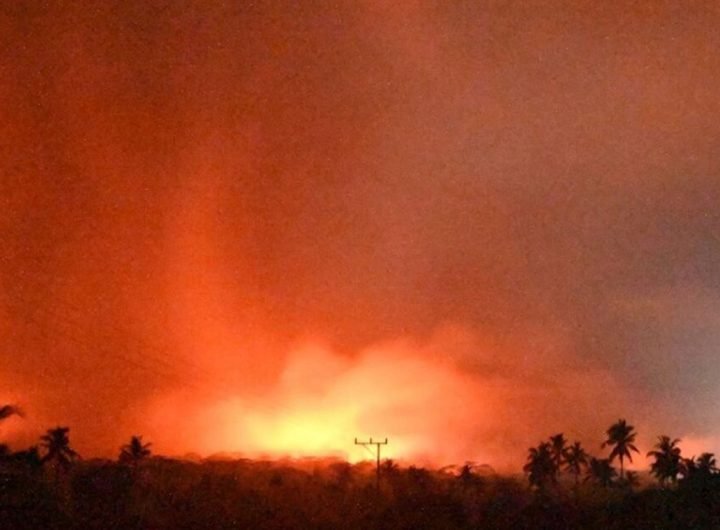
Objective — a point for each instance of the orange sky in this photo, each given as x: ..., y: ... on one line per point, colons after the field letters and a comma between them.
x: 273, y: 228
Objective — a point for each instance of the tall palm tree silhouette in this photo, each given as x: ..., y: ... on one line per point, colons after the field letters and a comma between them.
x: 558, y: 446
x: 576, y: 460
x: 668, y: 463
x: 135, y: 451
x: 620, y: 436
x: 540, y: 465
x: 56, y: 443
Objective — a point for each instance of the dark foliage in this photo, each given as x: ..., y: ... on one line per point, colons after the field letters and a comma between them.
x: 54, y: 489
x: 171, y: 494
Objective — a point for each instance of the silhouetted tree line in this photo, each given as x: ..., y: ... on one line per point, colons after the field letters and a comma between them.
x: 50, y: 487
x: 550, y: 458
x: 686, y: 492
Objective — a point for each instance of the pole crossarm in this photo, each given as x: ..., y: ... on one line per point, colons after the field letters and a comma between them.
x: 377, y: 445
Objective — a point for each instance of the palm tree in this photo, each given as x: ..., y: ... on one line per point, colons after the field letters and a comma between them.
x: 668, y: 463
x: 134, y: 452
x: 558, y: 446
x: 700, y: 471
x: 390, y: 467
x: 468, y: 478
x: 56, y: 443
x: 621, y: 436
x: 540, y: 465
x: 601, y: 471
x: 576, y: 460
x: 706, y: 464
x: 466, y: 475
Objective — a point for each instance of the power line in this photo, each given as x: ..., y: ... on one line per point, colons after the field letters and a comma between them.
x: 377, y: 456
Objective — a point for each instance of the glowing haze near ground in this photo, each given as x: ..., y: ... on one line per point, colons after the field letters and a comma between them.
x: 267, y: 229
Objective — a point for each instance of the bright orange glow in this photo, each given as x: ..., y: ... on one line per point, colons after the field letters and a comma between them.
x: 269, y: 230
x: 323, y: 401
x: 302, y: 433
x: 416, y: 395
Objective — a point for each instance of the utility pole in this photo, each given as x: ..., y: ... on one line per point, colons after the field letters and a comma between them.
x: 377, y: 457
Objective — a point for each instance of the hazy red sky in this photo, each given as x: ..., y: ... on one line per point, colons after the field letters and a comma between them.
x: 518, y: 199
